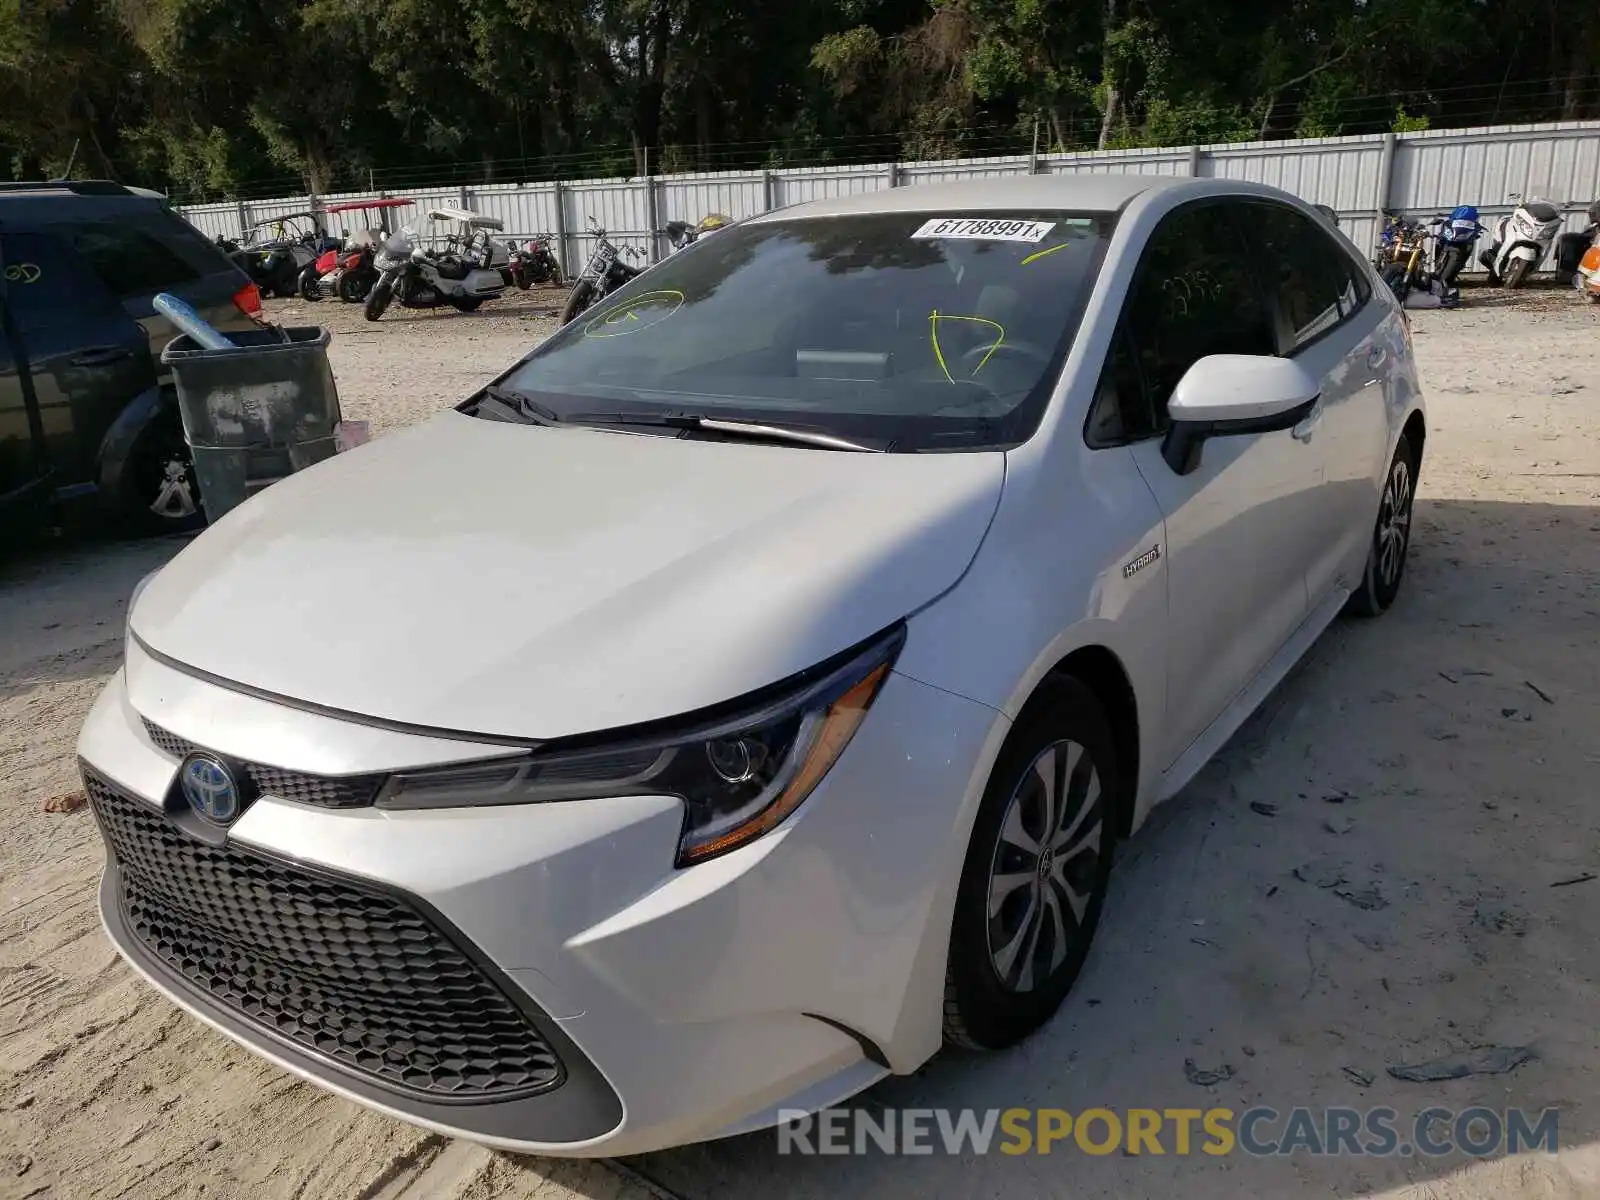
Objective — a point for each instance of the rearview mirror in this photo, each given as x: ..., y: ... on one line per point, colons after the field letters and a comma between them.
x: 1227, y: 395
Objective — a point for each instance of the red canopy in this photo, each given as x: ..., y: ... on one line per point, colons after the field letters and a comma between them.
x: 351, y: 205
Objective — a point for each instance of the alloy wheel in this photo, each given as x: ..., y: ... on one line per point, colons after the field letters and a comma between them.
x: 1042, y: 877
x: 175, y: 493
x: 1394, y: 523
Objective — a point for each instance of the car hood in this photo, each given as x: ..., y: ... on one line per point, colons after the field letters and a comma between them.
x: 532, y: 582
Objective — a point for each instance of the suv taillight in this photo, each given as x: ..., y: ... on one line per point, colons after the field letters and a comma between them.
x: 248, y: 300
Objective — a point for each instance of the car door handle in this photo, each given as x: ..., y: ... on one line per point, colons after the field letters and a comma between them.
x: 1376, y: 357
x: 101, y: 356
x: 1303, y: 431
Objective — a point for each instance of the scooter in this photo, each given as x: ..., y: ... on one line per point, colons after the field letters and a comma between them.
x: 1521, y: 241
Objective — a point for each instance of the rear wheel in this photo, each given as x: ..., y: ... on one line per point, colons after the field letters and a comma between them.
x: 1036, y: 872
x: 1391, y: 537
x: 467, y: 303
x: 157, y: 492
x: 309, y: 289
x: 1517, y: 273
x: 581, y: 297
x: 378, y: 298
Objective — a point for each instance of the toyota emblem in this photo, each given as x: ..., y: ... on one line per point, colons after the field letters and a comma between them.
x: 210, y: 788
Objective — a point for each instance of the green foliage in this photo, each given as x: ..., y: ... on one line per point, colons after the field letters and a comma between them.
x: 245, y: 97
x: 1404, y: 122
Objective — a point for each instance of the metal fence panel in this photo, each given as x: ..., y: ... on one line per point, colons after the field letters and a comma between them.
x: 1117, y: 162
x: 960, y: 169
x: 1418, y: 174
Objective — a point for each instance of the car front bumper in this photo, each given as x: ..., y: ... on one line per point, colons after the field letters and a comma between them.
x: 682, y: 1004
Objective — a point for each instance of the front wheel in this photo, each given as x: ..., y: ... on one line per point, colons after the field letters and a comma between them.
x: 1517, y: 273
x: 309, y: 287
x: 582, y: 296
x: 1391, y: 537
x: 378, y: 298
x: 1398, y: 280
x: 1036, y: 871
x: 354, y: 286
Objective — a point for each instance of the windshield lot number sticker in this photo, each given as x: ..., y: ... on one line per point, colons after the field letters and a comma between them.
x: 984, y: 229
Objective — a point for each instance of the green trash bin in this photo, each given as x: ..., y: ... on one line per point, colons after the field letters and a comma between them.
x: 254, y: 413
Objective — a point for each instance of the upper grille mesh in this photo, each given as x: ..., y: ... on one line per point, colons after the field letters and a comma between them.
x: 355, y: 974
x: 327, y: 791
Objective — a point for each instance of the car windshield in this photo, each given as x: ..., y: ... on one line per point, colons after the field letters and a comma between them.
x: 918, y: 331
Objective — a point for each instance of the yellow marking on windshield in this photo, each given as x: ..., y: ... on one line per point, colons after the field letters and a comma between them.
x: 1038, y: 254
x: 936, y: 316
x: 656, y: 307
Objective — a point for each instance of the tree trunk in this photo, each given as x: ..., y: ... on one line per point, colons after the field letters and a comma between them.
x: 1108, y: 77
x: 1583, y: 60
x: 703, y: 118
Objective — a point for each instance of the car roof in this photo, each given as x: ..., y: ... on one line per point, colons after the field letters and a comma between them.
x: 1074, y: 193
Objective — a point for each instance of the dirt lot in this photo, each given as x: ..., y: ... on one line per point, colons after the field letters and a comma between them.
x: 1393, y: 862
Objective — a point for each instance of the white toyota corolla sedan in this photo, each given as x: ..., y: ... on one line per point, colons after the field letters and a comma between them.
x: 742, y: 697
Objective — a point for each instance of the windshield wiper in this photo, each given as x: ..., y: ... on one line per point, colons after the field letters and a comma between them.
x: 524, y: 405
x: 754, y: 430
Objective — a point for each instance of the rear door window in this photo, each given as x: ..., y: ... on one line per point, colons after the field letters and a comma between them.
x: 1313, y: 280
x: 49, y: 286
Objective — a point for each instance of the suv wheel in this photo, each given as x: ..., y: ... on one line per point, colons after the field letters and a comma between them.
x: 159, y: 493
x: 1036, y: 872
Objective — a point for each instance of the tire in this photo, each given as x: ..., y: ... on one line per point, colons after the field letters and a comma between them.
x: 1517, y: 273
x: 1391, y: 537
x: 354, y: 286
x: 1451, y: 263
x: 580, y: 298
x: 467, y: 303
x: 308, y: 286
x: 994, y: 992
x: 378, y: 298
x: 157, y: 491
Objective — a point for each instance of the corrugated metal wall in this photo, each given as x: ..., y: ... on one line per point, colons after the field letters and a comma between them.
x: 1415, y: 173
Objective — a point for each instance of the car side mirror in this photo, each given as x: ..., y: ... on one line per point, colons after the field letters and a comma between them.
x: 1229, y: 395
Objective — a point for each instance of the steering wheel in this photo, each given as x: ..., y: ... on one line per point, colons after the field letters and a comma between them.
x: 978, y: 354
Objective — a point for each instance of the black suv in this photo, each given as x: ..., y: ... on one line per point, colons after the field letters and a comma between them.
x: 86, y: 409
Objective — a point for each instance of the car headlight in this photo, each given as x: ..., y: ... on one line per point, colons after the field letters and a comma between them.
x: 739, y: 770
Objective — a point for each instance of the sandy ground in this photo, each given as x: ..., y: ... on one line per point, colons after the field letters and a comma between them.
x: 1436, y: 770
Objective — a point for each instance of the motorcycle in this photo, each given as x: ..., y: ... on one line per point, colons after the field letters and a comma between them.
x: 534, y: 264
x: 348, y: 271
x: 603, y: 274
x: 1520, y: 241
x: 1572, y: 247
x: 467, y: 269
x: 1453, y: 239
x: 1403, y: 257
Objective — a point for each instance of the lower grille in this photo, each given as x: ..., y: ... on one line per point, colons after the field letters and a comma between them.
x: 344, y: 970
x: 326, y: 791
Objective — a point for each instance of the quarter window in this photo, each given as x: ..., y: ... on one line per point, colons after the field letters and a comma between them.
x: 129, y: 261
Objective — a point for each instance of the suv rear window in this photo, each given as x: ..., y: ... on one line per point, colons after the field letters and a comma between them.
x: 129, y: 261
